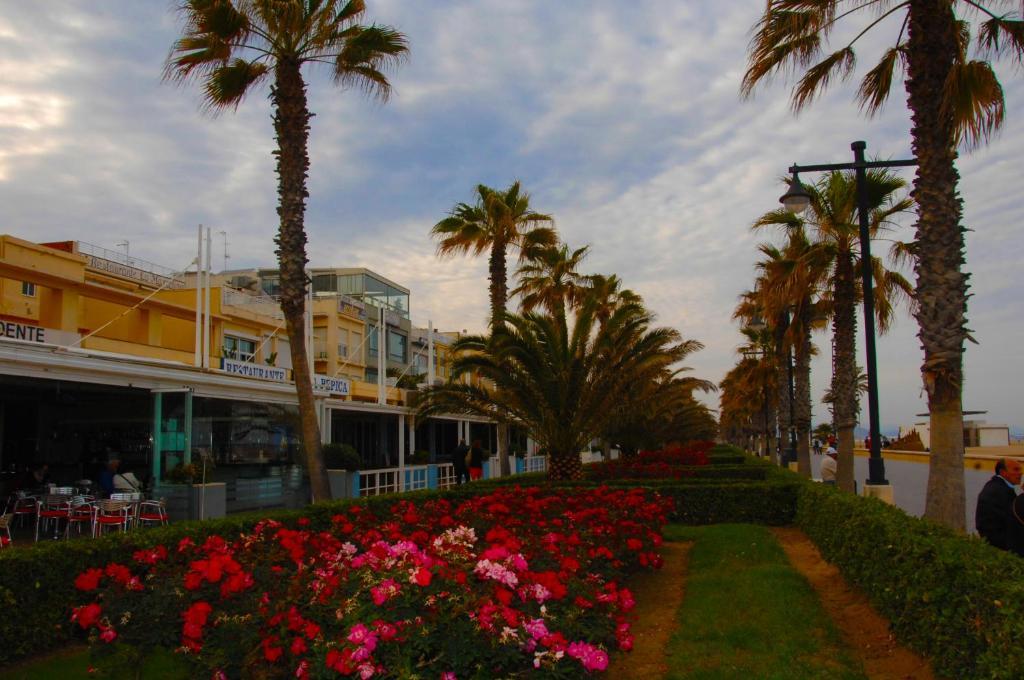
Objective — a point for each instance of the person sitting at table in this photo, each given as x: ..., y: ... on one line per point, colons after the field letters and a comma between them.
x: 125, y: 481
x: 106, y: 478
x: 35, y: 477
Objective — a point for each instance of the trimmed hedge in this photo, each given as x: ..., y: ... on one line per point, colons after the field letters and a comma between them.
x: 954, y: 599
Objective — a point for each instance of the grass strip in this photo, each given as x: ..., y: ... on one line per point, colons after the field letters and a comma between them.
x: 749, y: 614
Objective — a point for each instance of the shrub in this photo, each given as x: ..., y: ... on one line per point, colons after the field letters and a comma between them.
x: 956, y: 600
x: 341, y: 457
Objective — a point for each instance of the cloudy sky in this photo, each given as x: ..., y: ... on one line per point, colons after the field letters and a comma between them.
x: 623, y: 120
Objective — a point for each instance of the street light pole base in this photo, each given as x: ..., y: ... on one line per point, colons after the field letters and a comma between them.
x: 883, y: 492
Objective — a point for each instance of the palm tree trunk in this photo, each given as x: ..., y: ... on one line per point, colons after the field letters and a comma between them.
x: 844, y: 373
x: 291, y: 125
x: 941, y: 286
x: 563, y: 466
x: 499, y: 300
x: 782, y: 386
x: 499, y: 282
x: 802, y: 387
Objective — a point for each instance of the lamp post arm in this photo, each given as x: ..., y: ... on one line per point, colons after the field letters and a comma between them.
x: 829, y: 167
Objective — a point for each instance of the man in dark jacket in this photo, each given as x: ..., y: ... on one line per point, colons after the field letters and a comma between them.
x: 459, y: 462
x: 992, y: 516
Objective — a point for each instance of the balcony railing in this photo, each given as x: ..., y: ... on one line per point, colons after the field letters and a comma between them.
x: 120, y: 264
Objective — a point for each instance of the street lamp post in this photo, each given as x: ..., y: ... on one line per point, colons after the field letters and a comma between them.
x: 796, y: 200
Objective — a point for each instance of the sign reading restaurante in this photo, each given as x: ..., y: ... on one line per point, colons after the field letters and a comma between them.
x: 255, y: 371
x: 12, y: 330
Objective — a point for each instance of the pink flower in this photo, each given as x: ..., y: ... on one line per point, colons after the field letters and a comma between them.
x: 448, y: 675
x: 108, y: 635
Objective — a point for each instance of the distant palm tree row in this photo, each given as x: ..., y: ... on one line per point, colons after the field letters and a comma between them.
x: 802, y: 285
x: 582, y: 359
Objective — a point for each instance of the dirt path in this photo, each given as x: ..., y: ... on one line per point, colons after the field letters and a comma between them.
x: 658, y: 595
x: 863, y: 629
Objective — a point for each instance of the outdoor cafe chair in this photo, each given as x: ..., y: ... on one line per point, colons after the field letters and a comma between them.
x: 21, y: 505
x: 51, y: 509
x: 133, y: 498
x: 110, y: 513
x: 152, y: 512
x: 5, y: 526
x: 81, y: 512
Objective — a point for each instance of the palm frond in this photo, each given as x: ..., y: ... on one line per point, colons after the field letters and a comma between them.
x: 974, y: 99
x: 839, y: 64
x: 1002, y: 36
x: 877, y: 83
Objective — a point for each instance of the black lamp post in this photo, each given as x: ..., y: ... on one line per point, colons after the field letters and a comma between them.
x: 796, y: 200
x: 791, y: 456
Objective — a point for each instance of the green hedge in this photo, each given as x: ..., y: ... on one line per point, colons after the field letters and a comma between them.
x: 954, y: 599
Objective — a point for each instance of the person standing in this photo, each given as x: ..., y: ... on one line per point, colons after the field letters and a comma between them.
x: 459, y: 462
x: 829, y: 465
x: 476, y: 460
x: 995, y: 503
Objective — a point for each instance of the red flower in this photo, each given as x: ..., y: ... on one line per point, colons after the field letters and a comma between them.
x: 298, y: 646
x: 89, y: 579
x: 120, y: 573
x: 87, y: 616
x: 634, y: 543
x: 422, y: 577
x: 271, y: 652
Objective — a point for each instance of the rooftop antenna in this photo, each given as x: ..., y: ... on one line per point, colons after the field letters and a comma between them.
x: 226, y: 256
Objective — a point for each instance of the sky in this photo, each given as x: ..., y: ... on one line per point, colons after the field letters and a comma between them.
x: 622, y: 120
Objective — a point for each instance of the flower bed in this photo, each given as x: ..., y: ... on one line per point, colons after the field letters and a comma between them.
x: 668, y: 463
x: 516, y: 581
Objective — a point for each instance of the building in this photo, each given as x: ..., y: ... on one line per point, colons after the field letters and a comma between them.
x: 977, y: 433
x: 103, y: 355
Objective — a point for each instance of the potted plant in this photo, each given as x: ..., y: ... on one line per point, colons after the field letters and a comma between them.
x: 342, y: 460
x: 188, y: 493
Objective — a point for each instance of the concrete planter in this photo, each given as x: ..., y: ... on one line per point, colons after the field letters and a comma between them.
x: 341, y: 484
x: 189, y: 501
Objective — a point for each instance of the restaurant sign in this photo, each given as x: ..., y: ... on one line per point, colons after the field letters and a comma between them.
x: 10, y: 330
x: 331, y: 385
x: 246, y: 369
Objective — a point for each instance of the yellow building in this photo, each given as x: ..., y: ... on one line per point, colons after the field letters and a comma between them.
x: 102, y: 355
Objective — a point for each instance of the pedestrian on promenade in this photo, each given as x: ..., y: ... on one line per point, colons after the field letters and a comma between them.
x: 829, y: 465
x: 1015, y: 526
x: 816, y: 443
x: 459, y: 462
x: 995, y: 503
x: 476, y: 460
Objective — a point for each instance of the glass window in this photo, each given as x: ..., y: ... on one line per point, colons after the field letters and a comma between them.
x: 343, y: 342
x: 28, y: 289
x: 372, y: 341
x: 396, y: 346
x: 325, y: 283
x: 239, y: 349
x: 245, y: 431
x: 371, y: 375
x: 272, y: 285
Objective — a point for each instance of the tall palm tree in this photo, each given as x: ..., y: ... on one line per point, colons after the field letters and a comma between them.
x: 953, y: 99
x: 233, y: 46
x: 558, y: 382
x: 551, y: 279
x: 498, y: 220
x: 609, y: 294
x: 834, y: 261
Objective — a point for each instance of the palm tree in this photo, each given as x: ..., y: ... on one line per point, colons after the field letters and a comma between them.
x: 232, y: 46
x: 789, y: 291
x: 497, y: 221
x: 550, y: 279
x: 833, y: 261
x: 609, y: 294
x: 954, y: 99
x: 556, y: 381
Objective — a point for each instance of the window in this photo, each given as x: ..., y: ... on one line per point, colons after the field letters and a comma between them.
x: 272, y: 285
x: 342, y: 343
x: 396, y: 346
x: 371, y: 375
x: 28, y: 289
x: 372, y: 341
x: 357, y: 343
x: 239, y: 349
